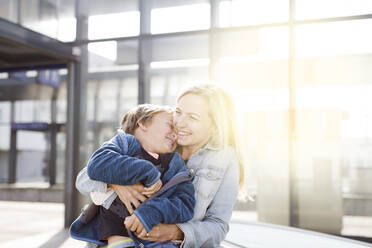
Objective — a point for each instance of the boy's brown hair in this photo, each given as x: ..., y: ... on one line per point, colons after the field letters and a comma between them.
x: 141, y: 114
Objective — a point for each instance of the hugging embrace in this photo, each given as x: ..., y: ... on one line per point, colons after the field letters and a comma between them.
x: 169, y: 178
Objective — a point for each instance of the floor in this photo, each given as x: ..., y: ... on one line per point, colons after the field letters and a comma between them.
x: 34, y: 224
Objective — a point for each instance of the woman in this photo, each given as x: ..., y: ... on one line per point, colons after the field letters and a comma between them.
x: 206, y: 129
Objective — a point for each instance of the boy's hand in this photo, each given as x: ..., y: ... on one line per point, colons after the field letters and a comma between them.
x: 135, y: 225
x: 153, y: 188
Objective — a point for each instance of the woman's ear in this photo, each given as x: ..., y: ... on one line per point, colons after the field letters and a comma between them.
x: 142, y: 126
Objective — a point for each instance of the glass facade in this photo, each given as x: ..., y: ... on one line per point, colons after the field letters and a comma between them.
x: 299, y: 72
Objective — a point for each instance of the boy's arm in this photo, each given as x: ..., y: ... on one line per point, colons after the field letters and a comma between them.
x: 177, y: 208
x: 112, y: 163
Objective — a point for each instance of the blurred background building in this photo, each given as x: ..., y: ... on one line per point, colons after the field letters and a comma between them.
x: 299, y: 72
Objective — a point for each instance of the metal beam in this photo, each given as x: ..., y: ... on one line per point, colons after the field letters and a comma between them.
x: 17, y: 35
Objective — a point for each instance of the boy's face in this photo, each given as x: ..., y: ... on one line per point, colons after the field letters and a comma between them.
x: 161, y: 133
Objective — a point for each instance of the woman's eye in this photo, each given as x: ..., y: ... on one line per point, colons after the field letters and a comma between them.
x: 193, y: 118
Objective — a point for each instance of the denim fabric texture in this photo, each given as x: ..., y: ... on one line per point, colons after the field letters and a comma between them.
x: 216, y: 182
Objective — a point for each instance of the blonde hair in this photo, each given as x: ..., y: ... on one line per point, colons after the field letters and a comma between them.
x: 222, y: 113
x: 141, y: 114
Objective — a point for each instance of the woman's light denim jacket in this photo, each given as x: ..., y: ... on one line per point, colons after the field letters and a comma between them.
x: 114, y: 163
x: 216, y: 182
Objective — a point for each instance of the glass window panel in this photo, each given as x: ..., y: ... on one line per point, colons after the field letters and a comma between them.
x: 31, y: 172
x: 8, y: 10
x: 110, y: 56
x: 180, y: 48
x: 172, y: 3
x: 107, y: 101
x: 167, y: 84
x: 103, y: 51
x: 128, y: 95
x: 255, y: 70
x: 99, y: 7
x: 5, y: 112
x: 50, y: 18
x: 29, y: 140
x: 61, y: 157
x: 43, y: 111
x: 62, y: 103
x: 5, y: 136
x: 176, y: 19
x: 243, y: 12
x: 333, y: 120
x: 338, y: 38
x: 253, y: 45
x: 331, y: 8
x: 106, y: 25
x: 245, y: 62
x: 92, y: 94
x: 66, y: 29
x: 24, y: 111
x: 127, y: 52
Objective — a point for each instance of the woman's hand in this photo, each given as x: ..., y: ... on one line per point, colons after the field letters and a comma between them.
x: 162, y: 232
x: 130, y: 195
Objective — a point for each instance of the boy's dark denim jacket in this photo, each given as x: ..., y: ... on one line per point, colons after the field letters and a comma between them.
x: 113, y: 163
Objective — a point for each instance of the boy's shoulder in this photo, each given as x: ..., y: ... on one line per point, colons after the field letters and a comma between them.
x: 127, y: 140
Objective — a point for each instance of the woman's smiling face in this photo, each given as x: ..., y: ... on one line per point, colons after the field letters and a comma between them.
x: 192, y: 122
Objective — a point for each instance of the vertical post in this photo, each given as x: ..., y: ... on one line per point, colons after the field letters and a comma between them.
x: 213, y: 39
x: 53, y: 139
x: 144, y: 52
x: 72, y: 139
x: 96, y: 127
x: 76, y: 121
x: 12, y: 166
x: 75, y: 136
x: 293, y: 197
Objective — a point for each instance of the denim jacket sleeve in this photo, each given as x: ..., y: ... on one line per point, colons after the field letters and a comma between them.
x: 212, y: 229
x: 113, y: 163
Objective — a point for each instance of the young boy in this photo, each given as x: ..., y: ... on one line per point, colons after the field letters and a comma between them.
x: 140, y: 152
